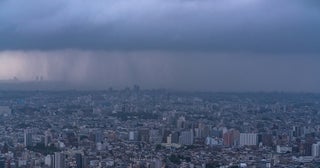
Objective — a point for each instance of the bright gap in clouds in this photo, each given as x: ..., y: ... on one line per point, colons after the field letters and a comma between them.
x: 21, y: 65
x: 12, y: 66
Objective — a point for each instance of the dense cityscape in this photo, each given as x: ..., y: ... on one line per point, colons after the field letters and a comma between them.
x: 159, y: 84
x: 158, y: 128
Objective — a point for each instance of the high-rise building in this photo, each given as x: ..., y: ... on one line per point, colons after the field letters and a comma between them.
x: 231, y: 138
x: 186, y: 137
x: 211, y: 141
x: 143, y: 135
x: 307, y: 147
x: 28, y: 137
x: 266, y: 139
x: 47, y: 138
x: 202, y: 131
x: 248, y: 139
x: 157, y: 163
x: 79, y: 161
x: 316, y: 149
x: 85, y: 162
x: 59, y: 160
x: 154, y: 136
x: 175, y: 137
x: 98, y: 137
x: 169, y: 139
x: 2, y: 162
x: 132, y: 136
x: 298, y: 131
x: 49, y: 161
x: 181, y: 122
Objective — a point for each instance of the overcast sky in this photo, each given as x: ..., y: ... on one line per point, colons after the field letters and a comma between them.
x: 216, y: 45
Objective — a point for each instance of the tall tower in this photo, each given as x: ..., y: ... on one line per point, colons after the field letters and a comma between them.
x: 181, y: 122
x: 79, y: 161
x: 59, y: 160
x: 47, y: 138
x: 186, y: 137
x: 2, y: 161
x: 27, y: 137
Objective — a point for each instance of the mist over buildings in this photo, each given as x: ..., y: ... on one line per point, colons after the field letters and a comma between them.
x: 174, y: 70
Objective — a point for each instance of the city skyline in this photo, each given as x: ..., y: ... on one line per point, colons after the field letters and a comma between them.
x: 159, y: 84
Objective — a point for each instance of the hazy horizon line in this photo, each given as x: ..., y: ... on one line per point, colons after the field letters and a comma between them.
x: 51, y: 85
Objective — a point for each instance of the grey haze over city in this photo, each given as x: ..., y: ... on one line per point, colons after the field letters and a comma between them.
x: 206, y: 45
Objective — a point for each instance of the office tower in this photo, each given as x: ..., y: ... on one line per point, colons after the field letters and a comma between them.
x: 169, y: 137
x: 316, y: 149
x: 143, y: 135
x: 98, y: 137
x: 154, y: 136
x: 47, y: 138
x: 186, y: 137
x: 175, y: 137
x: 131, y: 136
x: 202, y: 130
x: 59, y: 160
x: 2, y: 162
x: 79, y: 161
x: 49, y: 161
x: 307, y: 147
x: 231, y: 138
x: 181, y: 122
x: 298, y: 131
x: 266, y: 139
x: 28, y: 137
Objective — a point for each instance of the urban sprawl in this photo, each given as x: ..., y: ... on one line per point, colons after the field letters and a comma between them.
x: 158, y: 128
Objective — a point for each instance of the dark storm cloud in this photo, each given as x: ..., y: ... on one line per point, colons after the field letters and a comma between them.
x: 267, y: 26
x: 218, y: 45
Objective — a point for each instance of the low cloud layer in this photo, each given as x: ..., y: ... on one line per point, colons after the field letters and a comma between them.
x: 156, y: 69
x: 267, y: 26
